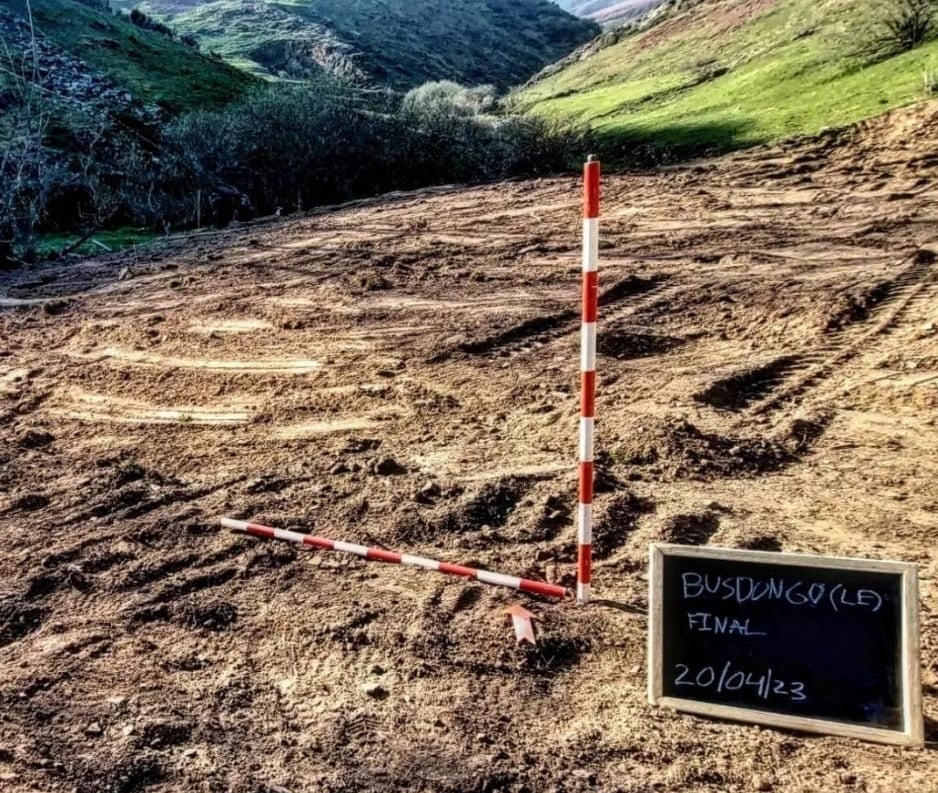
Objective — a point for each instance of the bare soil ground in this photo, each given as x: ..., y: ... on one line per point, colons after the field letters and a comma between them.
x: 768, y: 379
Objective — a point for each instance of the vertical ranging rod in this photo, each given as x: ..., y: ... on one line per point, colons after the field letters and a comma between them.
x: 588, y: 375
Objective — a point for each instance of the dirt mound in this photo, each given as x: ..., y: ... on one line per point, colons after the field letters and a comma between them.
x: 617, y: 521
x: 893, y: 149
x: 624, y: 345
x: 484, y: 509
x: 691, y: 529
x: 762, y: 542
x: 743, y: 388
x: 677, y: 448
x: 901, y: 141
x: 855, y: 305
x: 18, y: 618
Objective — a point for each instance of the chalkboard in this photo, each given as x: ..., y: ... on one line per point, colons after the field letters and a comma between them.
x: 806, y: 642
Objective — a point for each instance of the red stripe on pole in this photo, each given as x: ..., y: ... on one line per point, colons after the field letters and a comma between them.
x: 377, y: 554
x: 263, y: 531
x: 590, y: 296
x: 384, y: 556
x: 317, y: 542
x: 588, y: 395
x: 586, y: 482
x: 537, y: 588
x: 584, y: 566
x: 591, y: 190
x: 455, y: 569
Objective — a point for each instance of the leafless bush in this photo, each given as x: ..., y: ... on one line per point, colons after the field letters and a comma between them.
x: 908, y: 23
x: 24, y: 164
x: 292, y: 147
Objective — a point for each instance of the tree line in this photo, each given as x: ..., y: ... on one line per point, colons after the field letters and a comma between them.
x: 281, y: 149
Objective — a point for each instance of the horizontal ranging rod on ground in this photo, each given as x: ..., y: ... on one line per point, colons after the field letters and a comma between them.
x: 814, y: 643
x: 380, y: 555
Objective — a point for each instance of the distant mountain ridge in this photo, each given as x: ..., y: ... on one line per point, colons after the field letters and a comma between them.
x: 397, y: 43
x: 607, y: 12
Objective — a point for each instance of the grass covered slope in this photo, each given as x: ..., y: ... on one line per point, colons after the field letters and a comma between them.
x: 735, y: 73
x: 401, y: 43
x: 155, y: 69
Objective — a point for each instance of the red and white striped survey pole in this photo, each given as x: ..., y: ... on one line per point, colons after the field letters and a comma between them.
x: 588, y: 375
x: 380, y: 555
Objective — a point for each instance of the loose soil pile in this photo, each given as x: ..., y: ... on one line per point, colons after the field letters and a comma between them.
x: 404, y: 373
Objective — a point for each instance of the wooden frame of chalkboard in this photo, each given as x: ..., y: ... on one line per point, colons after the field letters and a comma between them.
x: 908, y: 729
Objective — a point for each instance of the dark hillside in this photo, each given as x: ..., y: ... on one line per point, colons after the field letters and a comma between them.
x: 153, y: 68
x: 400, y: 43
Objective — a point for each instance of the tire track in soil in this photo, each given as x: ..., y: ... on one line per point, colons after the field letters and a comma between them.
x: 537, y: 332
x: 841, y: 346
x: 784, y: 380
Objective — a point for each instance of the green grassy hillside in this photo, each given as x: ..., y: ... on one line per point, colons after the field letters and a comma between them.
x: 401, y: 44
x: 734, y: 73
x: 155, y: 69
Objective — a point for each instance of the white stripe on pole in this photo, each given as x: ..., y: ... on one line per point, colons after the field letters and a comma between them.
x: 588, y: 354
x: 348, y: 547
x: 498, y: 579
x: 420, y: 561
x: 586, y: 439
x: 585, y: 524
x: 590, y: 244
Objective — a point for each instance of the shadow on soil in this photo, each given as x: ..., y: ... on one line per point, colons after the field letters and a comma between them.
x: 931, y: 734
x: 628, y: 608
x: 631, y: 147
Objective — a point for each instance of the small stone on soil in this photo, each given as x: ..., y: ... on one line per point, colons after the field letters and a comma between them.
x: 387, y: 466
x: 375, y: 690
x: 94, y: 729
x: 34, y: 439
x: 429, y: 492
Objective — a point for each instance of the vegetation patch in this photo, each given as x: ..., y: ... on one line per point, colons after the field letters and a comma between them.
x: 398, y: 44
x: 720, y: 76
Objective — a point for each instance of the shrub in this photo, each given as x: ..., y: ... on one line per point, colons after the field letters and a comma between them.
x: 908, y: 24
x: 292, y: 147
x: 145, y: 22
x: 930, y: 80
x: 286, y: 147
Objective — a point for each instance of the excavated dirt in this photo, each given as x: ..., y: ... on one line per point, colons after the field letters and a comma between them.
x: 404, y: 373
